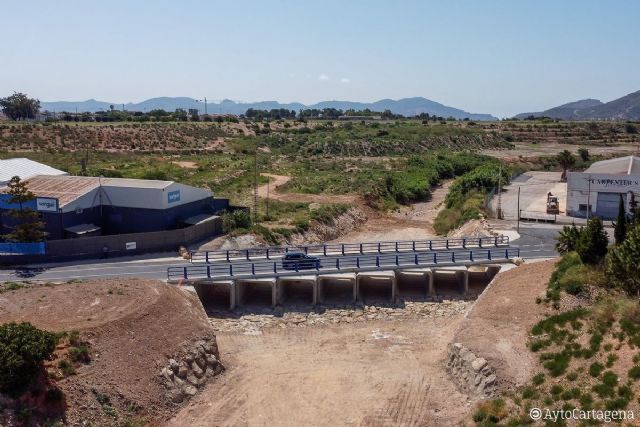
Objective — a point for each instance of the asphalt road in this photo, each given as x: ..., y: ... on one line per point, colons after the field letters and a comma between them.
x: 536, y: 241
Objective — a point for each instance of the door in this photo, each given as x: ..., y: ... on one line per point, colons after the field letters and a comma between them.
x: 607, y: 205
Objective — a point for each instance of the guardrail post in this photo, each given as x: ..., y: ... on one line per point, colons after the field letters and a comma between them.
x: 358, y: 262
x: 378, y: 247
x: 471, y: 256
x: 396, y: 246
x: 506, y: 253
x: 267, y: 252
x: 447, y: 243
x: 306, y: 250
x: 415, y: 259
x: 253, y: 268
x: 496, y: 241
x: 342, y: 245
x: 184, y: 272
x: 413, y: 245
x: 430, y: 245
x: 480, y: 243
x: 377, y: 261
x: 275, y: 268
x: 453, y: 257
x: 397, y: 260
x: 464, y: 243
x: 208, y: 271
x: 337, y: 263
x: 361, y: 248
x: 248, y: 255
x: 435, y: 257
x: 324, y: 250
x: 227, y: 256
x: 489, y: 254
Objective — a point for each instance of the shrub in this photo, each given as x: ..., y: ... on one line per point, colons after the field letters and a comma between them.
x: 235, y: 220
x: 567, y: 239
x: 593, y: 242
x: 66, y: 368
x: 79, y: 354
x: 595, y: 369
x: 23, y: 347
x: 634, y: 373
x: 622, y: 262
x: 610, y: 378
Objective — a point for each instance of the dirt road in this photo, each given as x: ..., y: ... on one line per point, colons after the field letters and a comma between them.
x: 378, y: 373
x: 271, y: 190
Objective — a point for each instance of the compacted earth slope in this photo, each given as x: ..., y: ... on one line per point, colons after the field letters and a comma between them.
x: 132, y: 328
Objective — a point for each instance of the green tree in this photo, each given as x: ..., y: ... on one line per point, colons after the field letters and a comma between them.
x: 634, y: 211
x: 28, y: 226
x: 23, y: 347
x: 622, y: 262
x: 566, y: 161
x: 19, y: 106
x: 567, y: 239
x: 620, y: 230
x: 584, y: 154
x: 593, y: 242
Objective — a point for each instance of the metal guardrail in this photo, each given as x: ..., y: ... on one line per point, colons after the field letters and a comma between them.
x: 276, y: 252
x: 340, y: 264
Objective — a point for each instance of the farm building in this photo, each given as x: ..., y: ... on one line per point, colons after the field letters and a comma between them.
x: 598, y: 189
x: 75, y: 206
x: 25, y: 169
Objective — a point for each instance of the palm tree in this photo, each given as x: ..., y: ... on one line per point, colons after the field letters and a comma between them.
x: 566, y: 160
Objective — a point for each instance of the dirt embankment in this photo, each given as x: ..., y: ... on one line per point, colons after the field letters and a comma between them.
x: 133, y: 327
x: 497, y: 327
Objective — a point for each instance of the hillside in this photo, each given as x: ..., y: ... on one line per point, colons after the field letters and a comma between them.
x: 131, y: 329
x: 625, y: 108
x: 406, y: 107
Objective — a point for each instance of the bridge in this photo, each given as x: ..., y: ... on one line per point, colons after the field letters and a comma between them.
x: 233, y: 276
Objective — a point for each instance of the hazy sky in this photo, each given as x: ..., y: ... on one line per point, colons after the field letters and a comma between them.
x: 499, y: 57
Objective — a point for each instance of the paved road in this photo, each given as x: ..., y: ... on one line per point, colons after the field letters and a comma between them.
x: 536, y: 241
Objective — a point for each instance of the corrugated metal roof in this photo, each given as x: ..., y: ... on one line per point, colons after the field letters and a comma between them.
x: 25, y: 169
x: 628, y: 165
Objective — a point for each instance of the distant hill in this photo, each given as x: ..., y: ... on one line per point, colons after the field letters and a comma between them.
x: 406, y: 106
x: 625, y: 108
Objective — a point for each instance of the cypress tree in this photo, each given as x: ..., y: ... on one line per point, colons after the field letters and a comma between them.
x: 620, y: 231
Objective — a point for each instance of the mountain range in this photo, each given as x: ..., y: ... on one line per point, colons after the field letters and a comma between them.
x: 406, y: 106
x: 625, y: 108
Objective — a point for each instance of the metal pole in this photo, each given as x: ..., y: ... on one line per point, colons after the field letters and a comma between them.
x: 268, y: 182
x: 500, y: 192
x: 255, y: 188
x: 205, y: 105
x: 518, y: 213
x: 589, y: 198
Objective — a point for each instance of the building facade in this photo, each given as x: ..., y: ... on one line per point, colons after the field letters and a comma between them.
x: 597, y: 190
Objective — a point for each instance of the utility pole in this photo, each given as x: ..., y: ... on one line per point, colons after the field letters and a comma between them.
x: 205, y: 105
x: 518, y: 223
x: 268, y: 182
x: 255, y: 187
x: 500, y: 193
x: 589, y: 198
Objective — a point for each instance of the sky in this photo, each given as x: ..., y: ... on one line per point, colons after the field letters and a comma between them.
x: 498, y: 57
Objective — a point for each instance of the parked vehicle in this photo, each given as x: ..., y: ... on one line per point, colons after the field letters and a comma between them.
x: 300, y: 261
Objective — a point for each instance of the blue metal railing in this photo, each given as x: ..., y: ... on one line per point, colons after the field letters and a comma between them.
x: 265, y: 269
x: 275, y: 252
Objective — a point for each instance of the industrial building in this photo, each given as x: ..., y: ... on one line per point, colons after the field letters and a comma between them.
x: 597, y: 190
x: 24, y: 169
x: 76, y: 206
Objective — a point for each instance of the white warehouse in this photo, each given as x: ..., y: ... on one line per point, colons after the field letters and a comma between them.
x: 597, y: 190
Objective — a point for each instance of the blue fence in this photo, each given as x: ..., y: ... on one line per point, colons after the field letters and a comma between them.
x: 38, y: 248
x: 343, y: 264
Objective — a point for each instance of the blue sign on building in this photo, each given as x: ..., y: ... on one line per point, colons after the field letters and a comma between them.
x: 173, y: 196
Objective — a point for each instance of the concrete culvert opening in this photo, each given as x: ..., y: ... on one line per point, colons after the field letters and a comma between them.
x: 214, y: 296
x: 413, y: 286
x: 376, y: 289
x: 256, y: 294
x: 334, y: 291
x: 480, y: 276
x: 449, y: 283
x: 296, y: 292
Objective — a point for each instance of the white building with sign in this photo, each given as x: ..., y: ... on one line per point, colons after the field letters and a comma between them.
x: 597, y: 190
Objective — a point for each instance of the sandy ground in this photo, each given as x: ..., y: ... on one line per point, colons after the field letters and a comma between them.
x: 534, y: 187
x: 372, y: 374
x: 497, y: 326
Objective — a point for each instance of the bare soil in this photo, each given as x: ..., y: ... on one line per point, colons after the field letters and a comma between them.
x: 372, y: 374
x: 132, y: 327
x: 497, y: 327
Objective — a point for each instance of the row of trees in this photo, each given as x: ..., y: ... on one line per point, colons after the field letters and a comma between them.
x: 19, y: 106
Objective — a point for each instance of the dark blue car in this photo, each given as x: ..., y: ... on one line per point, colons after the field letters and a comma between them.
x: 300, y: 261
